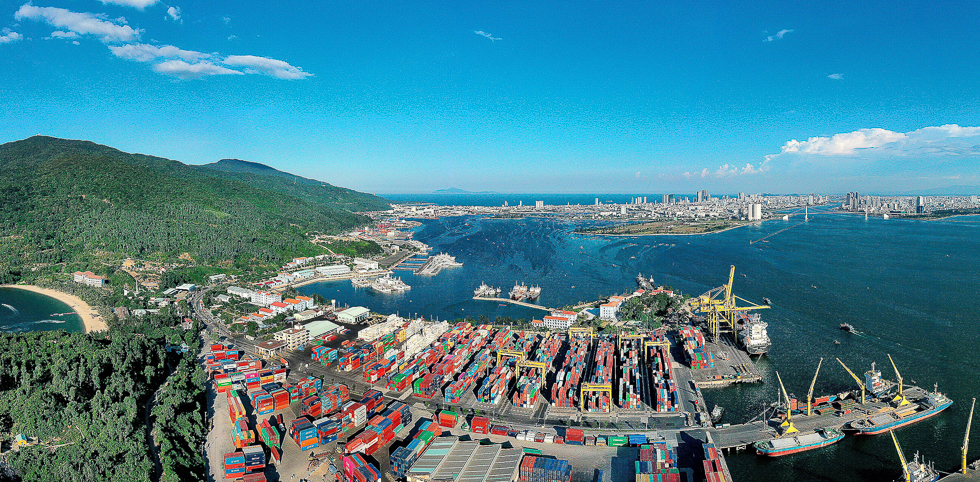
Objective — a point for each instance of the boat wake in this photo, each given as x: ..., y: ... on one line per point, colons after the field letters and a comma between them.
x: 11, y: 308
x: 24, y: 326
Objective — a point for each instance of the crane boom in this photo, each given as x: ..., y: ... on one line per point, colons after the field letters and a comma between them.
x: 900, y: 398
x: 966, y: 438
x: 728, y: 287
x: 809, y: 395
x: 855, y: 377
x: 788, y: 424
x: 901, y: 456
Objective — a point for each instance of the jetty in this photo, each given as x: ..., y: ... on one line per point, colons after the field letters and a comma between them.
x: 514, y: 302
x: 436, y: 263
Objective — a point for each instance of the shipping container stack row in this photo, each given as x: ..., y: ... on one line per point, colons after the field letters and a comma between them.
x: 574, y: 436
x: 403, y: 458
x: 356, y: 469
x: 269, y: 434
x: 428, y: 386
x: 236, y: 409
x: 541, y: 469
x: 714, y: 470
x: 357, y: 356
x: 565, y: 392
x: 658, y: 463
x: 496, y: 385
x: 605, y: 361
x: 698, y: 357
x: 629, y: 376
x: 381, y: 429
x: 664, y: 383
x: 332, y: 398
x: 324, y: 355
x: 474, y: 372
x: 241, y: 435
x: 448, y: 419
x: 304, y: 433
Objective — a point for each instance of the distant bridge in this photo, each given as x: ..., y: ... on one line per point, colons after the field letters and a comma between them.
x: 514, y: 302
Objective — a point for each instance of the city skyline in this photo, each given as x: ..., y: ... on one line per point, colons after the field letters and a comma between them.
x: 509, y: 97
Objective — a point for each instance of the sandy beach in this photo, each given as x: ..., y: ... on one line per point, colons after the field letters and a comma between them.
x: 90, y: 317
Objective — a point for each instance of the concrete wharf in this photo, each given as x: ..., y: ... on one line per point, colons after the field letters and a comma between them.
x: 972, y: 474
x: 514, y: 302
x: 732, y: 365
x: 742, y: 435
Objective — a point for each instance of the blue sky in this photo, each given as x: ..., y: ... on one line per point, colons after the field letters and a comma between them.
x: 399, y: 97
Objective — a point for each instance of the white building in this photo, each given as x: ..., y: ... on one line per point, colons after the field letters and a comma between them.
x: 265, y: 297
x: 362, y: 264
x: 293, y: 337
x: 321, y: 327
x: 356, y: 314
x: 557, y: 323
x: 241, y: 292
x: 89, y: 278
x: 333, y: 270
x: 217, y: 277
x: 609, y: 311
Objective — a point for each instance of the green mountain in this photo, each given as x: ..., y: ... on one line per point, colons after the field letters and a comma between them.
x: 67, y: 200
x: 265, y: 177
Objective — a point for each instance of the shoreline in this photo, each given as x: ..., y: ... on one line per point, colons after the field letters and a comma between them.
x: 675, y: 234
x: 91, y: 319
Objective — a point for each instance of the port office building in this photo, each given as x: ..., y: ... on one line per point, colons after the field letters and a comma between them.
x: 353, y: 315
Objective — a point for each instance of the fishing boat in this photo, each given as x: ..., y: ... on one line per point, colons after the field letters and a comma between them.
x: 796, y: 443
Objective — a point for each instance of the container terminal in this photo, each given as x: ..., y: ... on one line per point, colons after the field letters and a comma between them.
x: 608, y: 388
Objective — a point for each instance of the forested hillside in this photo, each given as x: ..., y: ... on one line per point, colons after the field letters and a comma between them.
x: 265, y: 177
x: 63, y: 200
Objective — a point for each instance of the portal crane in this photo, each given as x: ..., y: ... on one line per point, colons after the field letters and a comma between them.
x: 966, y: 438
x: 809, y: 395
x: 718, y: 306
x: 900, y: 398
x: 787, y: 425
x: 905, y: 466
x: 855, y: 377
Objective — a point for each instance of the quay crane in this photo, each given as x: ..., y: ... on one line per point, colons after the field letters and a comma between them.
x: 966, y: 438
x: 718, y: 305
x: 855, y: 377
x: 787, y: 424
x: 809, y: 395
x: 900, y: 398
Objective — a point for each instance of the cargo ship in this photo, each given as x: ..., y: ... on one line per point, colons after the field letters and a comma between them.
x: 644, y: 283
x: 932, y: 404
x: 778, y: 447
x: 522, y: 292
x: 752, y: 334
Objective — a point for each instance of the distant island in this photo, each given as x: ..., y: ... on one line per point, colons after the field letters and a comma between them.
x: 454, y: 190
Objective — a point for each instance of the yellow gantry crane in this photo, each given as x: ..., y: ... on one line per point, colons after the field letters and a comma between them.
x: 521, y: 356
x: 905, y: 466
x: 787, y: 424
x: 718, y: 306
x: 966, y: 438
x: 809, y: 395
x: 900, y: 398
x: 855, y: 377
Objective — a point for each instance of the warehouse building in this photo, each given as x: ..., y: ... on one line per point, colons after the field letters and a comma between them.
x: 450, y: 460
x: 353, y: 315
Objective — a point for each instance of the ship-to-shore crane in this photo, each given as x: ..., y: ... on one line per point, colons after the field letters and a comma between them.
x: 900, y: 398
x: 855, y: 377
x: 809, y: 395
x: 787, y: 424
x: 905, y: 466
x: 718, y: 306
x: 966, y: 438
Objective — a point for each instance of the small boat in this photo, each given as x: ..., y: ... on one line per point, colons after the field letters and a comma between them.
x: 767, y: 301
x: 717, y: 413
x: 846, y: 327
x: 836, y: 342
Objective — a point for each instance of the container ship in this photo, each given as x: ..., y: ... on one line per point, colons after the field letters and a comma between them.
x: 484, y: 291
x: 932, y: 404
x: 522, y: 292
x: 778, y: 447
x: 752, y: 334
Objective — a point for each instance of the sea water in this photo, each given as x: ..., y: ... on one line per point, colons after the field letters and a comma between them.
x: 22, y: 310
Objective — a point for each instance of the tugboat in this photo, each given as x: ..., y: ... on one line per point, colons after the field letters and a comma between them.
x: 846, y: 327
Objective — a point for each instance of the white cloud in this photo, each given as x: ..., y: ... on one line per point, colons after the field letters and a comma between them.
x: 487, y: 35
x: 140, y: 4
x: 780, y: 34
x: 835, y: 76
x: 876, y: 143
x: 79, y: 23
x: 263, y: 65
x: 62, y: 34
x: 149, y: 53
x: 174, y: 13
x: 9, y: 37
x: 184, y: 70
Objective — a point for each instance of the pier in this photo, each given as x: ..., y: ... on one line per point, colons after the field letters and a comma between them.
x: 515, y: 302
x: 732, y: 365
x: 435, y: 264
